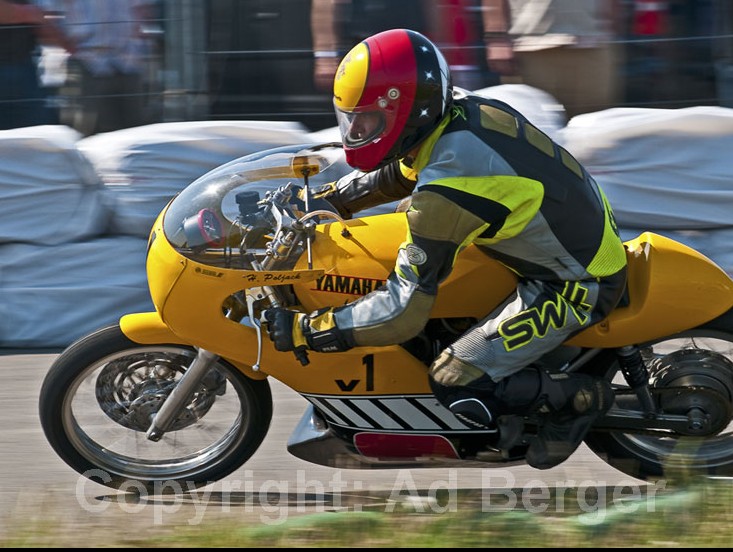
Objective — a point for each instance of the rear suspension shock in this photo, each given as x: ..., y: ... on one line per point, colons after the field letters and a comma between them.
x: 637, y: 375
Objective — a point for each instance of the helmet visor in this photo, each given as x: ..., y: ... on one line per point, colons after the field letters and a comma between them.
x: 360, y: 127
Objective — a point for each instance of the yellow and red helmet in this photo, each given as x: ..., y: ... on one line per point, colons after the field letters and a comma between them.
x: 390, y: 92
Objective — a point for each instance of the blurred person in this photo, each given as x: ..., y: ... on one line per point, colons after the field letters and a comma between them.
x: 650, y: 67
x: 472, y: 170
x: 337, y: 25
x: 456, y: 28
x: 454, y: 25
x: 565, y: 47
x: 24, y: 28
x: 106, y: 70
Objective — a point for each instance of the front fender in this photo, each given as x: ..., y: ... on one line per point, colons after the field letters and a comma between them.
x: 147, y: 328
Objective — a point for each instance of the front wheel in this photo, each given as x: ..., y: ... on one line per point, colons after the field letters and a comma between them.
x: 101, y: 393
x: 691, y: 372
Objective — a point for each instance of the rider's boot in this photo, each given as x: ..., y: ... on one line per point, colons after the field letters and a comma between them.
x: 568, y: 405
x: 564, y: 407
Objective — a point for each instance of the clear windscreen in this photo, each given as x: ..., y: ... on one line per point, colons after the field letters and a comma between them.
x: 227, y: 214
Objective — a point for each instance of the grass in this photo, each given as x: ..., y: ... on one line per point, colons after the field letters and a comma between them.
x: 695, y: 514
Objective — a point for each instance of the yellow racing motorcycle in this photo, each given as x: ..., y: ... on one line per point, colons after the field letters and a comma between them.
x: 182, y: 394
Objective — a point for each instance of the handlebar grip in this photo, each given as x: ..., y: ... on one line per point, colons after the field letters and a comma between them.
x: 302, y: 356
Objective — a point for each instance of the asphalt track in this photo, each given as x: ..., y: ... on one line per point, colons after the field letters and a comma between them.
x: 271, y: 486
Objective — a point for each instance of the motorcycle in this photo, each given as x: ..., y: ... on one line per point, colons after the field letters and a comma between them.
x: 182, y: 394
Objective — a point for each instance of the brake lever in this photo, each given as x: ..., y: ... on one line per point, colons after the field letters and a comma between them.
x: 300, y: 354
x: 257, y: 323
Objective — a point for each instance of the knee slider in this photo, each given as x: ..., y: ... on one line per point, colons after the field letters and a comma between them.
x: 465, y: 401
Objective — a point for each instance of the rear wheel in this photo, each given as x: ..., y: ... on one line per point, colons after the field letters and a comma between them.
x: 101, y: 393
x: 691, y: 374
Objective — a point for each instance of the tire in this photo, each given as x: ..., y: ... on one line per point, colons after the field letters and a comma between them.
x: 101, y: 392
x: 701, y: 357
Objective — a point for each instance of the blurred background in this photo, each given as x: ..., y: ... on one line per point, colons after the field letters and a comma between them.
x: 257, y: 59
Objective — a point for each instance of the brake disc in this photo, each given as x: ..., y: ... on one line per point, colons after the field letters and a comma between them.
x: 130, y: 391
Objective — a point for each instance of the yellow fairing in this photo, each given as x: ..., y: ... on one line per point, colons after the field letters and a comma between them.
x: 671, y: 288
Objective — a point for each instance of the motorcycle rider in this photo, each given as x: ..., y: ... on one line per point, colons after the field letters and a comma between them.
x: 475, y: 171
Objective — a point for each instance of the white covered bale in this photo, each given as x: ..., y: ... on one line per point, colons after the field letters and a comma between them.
x: 49, y: 192
x: 52, y: 295
x: 660, y: 168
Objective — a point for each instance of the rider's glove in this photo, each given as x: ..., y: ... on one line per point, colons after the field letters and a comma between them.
x: 294, y: 331
x: 331, y: 193
x: 283, y: 329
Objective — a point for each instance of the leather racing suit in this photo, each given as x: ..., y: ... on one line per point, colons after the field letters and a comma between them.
x: 487, y: 176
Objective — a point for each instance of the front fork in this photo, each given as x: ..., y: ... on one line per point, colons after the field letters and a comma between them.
x: 181, y: 394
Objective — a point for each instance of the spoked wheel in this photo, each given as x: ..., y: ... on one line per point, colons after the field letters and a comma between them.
x: 691, y: 374
x: 101, y: 394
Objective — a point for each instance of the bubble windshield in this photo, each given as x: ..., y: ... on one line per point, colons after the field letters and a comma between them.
x: 217, y: 218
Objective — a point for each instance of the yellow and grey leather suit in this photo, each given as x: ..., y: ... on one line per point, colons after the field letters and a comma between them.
x: 487, y: 176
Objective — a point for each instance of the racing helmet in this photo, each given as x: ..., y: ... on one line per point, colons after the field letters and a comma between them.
x: 389, y: 93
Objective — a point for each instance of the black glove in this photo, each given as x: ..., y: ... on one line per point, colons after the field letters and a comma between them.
x: 293, y: 331
x: 280, y: 325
